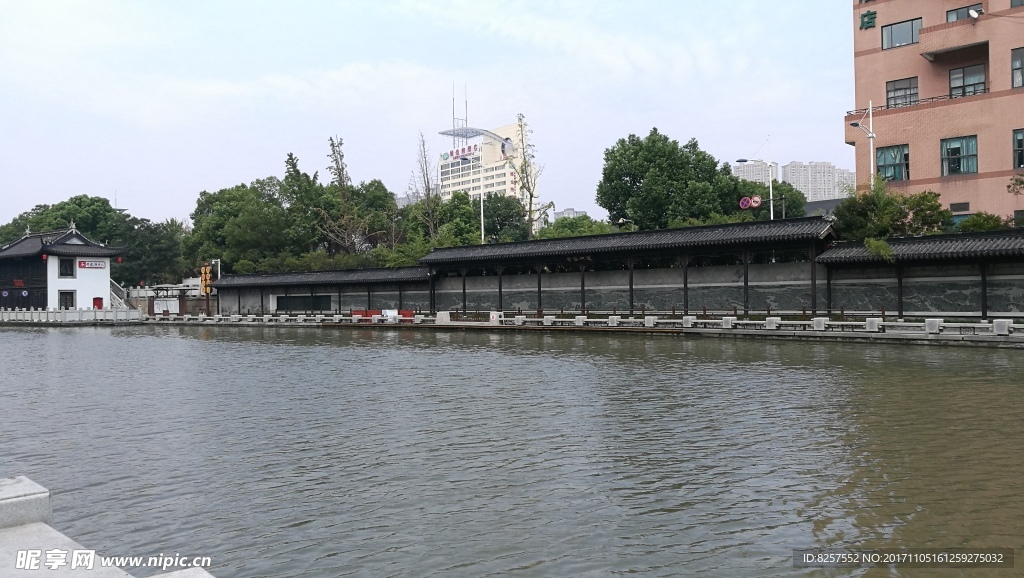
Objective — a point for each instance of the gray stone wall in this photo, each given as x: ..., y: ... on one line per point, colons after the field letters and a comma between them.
x: 780, y: 287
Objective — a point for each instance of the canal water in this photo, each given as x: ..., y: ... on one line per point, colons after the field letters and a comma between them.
x: 326, y: 453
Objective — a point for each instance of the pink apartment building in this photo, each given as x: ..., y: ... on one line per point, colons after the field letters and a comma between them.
x: 945, y: 81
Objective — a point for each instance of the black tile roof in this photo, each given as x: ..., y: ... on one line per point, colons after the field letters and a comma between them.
x: 346, y: 277
x: 705, y: 237
x: 57, y: 243
x: 958, y: 246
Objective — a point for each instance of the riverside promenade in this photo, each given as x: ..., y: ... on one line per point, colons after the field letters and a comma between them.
x: 29, y: 545
x: 1000, y: 333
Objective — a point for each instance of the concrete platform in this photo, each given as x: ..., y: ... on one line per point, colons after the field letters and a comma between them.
x: 28, y: 542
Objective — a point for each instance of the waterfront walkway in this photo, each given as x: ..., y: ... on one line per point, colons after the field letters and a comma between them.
x: 995, y: 333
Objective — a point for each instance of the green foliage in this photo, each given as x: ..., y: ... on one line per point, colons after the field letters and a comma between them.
x: 152, y: 251
x: 984, y: 222
x: 575, y: 227
x: 880, y: 213
x: 880, y: 248
x: 504, y: 219
x: 656, y: 182
x: 1016, y: 186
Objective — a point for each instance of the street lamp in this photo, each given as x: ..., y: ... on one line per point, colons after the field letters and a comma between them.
x: 771, y: 193
x: 870, y: 131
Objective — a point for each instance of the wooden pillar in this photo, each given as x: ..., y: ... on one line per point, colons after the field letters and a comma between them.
x: 828, y: 289
x: 583, y: 288
x: 263, y: 310
x: 500, y: 300
x: 368, y: 299
x: 899, y: 290
x: 814, y: 278
x: 239, y: 301
x: 630, y: 262
x: 540, y: 302
x: 746, y: 282
x: 984, y: 291
x: 686, y: 284
x: 433, y: 295
x: 338, y: 311
x: 463, y: 272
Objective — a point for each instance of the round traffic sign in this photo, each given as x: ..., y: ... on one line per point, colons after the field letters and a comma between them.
x: 745, y: 203
x: 755, y: 202
x: 24, y: 293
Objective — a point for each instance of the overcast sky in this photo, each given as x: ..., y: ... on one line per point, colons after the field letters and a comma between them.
x: 159, y: 100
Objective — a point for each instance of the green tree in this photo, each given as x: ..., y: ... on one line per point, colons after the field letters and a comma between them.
x: 504, y: 219
x: 984, y: 222
x: 881, y: 213
x: 460, y: 224
x: 575, y: 227
x: 653, y: 180
x: 244, y: 222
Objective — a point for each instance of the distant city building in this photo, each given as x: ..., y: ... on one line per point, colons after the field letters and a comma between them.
x: 757, y: 171
x: 482, y: 164
x: 818, y: 181
x: 569, y: 214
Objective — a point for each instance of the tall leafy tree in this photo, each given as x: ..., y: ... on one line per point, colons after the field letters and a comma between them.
x: 881, y: 213
x: 652, y: 180
x: 504, y: 219
x: 575, y: 227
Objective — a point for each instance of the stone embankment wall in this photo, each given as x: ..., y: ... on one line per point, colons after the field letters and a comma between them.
x: 779, y: 287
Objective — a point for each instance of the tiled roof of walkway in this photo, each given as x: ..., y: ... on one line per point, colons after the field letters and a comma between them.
x: 958, y: 246
x: 709, y: 237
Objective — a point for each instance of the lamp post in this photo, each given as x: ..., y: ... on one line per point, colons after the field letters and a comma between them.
x: 870, y: 131
x: 771, y: 179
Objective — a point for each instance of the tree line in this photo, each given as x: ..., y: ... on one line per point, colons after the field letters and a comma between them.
x: 297, y: 222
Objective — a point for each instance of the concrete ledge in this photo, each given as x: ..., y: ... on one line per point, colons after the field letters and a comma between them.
x: 39, y: 536
x: 23, y: 501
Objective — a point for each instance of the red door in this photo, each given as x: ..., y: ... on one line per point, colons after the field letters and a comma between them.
x: 97, y: 303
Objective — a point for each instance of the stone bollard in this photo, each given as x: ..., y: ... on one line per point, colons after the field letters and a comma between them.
x: 581, y: 320
x: 933, y: 326
x: 818, y: 323
x: 728, y: 322
x: 772, y: 322
x: 1001, y: 327
x: 688, y: 321
x: 613, y: 320
x: 443, y: 318
x: 873, y: 324
x: 650, y: 321
x: 519, y: 320
x: 549, y: 319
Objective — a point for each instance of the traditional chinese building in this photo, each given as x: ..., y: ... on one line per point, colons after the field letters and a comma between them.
x: 944, y: 80
x: 57, y: 269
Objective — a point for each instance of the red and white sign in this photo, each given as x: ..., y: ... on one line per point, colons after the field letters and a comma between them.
x: 92, y: 265
x: 745, y: 203
x: 755, y: 202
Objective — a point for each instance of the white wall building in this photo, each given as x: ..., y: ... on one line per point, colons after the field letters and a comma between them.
x: 57, y: 269
x: 484, y: 166
x: 818, y: 181
x: 569, y: 213
x: 757, y: 171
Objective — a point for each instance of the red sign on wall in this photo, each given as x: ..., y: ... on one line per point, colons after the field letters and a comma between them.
x: 92, y: 265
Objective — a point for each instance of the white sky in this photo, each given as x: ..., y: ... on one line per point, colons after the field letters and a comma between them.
x: 160, y: 100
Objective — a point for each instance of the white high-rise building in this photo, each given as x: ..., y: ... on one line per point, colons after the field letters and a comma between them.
x: 818, y: 181
x: 569, y: 213
x: 484, y: 164
x: 757, y: 171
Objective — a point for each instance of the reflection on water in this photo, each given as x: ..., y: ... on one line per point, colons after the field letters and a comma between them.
x: 305, y: 452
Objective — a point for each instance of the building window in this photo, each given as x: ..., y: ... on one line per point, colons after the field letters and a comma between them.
x: 967, y: 81
x: 960, y: 207
x: 901, y: 34
x: 1016, y: 3
x: 962, y: 13
x: 1017, y: 64
x: 894, y: 162
x: 901, y: 92
x: 66, y: 299
x: 1018, y: 217
x: 960, y: 156
x: 66, y: 269
x: 1018, y: 149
